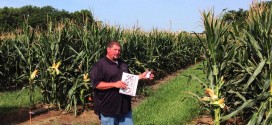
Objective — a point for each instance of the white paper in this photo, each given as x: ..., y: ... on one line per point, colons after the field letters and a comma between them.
x: 132, y: 83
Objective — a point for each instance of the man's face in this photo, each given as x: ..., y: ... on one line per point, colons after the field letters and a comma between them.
x: 114, y: 52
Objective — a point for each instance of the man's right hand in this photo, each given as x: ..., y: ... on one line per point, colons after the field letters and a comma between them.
x: 120, y: 84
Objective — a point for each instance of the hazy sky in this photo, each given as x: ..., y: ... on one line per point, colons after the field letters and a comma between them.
x: 171, y: 15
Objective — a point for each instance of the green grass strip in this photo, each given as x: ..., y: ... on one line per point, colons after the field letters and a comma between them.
x: 170, y: 104
x: 10, y: 102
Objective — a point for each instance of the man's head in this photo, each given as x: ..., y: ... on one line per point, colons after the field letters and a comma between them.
x: 113, y: 50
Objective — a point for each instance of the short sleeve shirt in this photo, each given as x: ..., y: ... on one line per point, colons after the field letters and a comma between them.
x: 110, y: 101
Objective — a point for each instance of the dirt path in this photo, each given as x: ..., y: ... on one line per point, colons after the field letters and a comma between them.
x: 55, y: 117
x: 52, y: 117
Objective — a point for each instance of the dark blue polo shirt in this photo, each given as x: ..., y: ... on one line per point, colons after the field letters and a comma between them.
x: 110, y: 101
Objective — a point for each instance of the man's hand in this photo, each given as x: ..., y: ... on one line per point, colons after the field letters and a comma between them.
x: 120, y: 84
x: 147, y: 75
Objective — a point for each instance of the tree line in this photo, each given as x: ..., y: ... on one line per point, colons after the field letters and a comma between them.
x: 38, y: 17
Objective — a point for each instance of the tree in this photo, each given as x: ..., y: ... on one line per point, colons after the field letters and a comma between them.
x: 81, y: 16
x: 237, y: 17
x: 13, y: 18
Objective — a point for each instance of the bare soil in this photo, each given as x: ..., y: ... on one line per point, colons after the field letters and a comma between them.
x: 49, y: 117
x: 57, y: 117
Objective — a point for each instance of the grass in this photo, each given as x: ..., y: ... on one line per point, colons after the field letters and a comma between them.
x: 170, y: 103
x: 10, y: 102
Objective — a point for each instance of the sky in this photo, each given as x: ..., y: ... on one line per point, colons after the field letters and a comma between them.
x: 169, y: 15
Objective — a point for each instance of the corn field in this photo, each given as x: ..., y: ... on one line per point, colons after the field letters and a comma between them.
x: 57, y: 61
x: 238, y: 67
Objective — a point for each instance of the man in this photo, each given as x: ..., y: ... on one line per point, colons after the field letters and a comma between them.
x: 112, y: 107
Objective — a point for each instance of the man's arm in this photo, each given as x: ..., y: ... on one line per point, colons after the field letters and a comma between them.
x: 106, y: 85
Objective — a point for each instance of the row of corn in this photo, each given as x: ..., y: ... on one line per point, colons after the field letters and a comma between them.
x: 57, y: 61
x: 239, y: 67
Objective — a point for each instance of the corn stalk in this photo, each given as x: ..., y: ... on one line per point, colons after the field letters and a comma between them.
x: 219, y: 54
